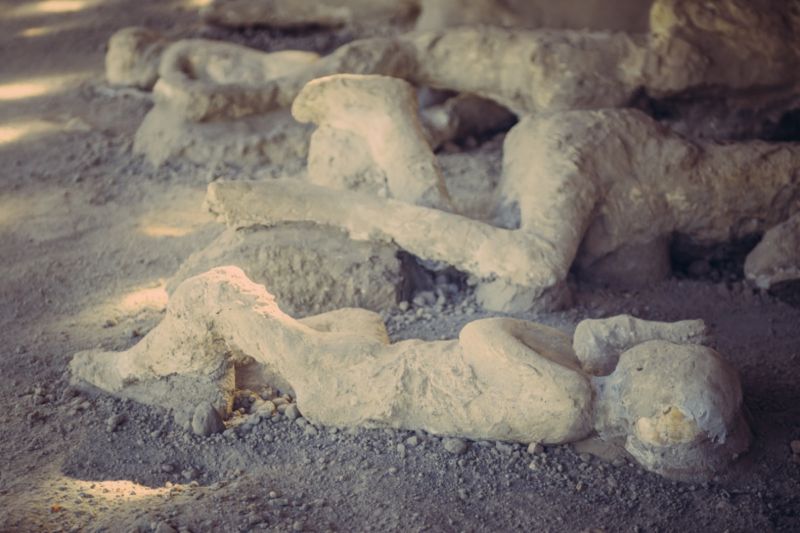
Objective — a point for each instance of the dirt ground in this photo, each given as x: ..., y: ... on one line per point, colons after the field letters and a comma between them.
x: 88, y: 234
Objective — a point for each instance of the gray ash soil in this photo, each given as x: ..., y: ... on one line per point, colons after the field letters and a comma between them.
x: 89, y: 233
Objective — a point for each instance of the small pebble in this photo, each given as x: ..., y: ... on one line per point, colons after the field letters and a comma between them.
x: 206, y: 420
x: 114, y: 421
x: 503, y: 448
x: 292, y: 412
x: 535, y: 448
x: 455, y: 446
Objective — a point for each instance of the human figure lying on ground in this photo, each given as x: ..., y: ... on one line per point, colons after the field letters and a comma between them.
x: 603, y: 192
x: 675, y: 403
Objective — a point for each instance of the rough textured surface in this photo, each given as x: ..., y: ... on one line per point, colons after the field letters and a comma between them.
x: 74, y: 226
x: 678, y: 405
x: 205, y: 80
x: 300, y: 13
x: 471, y: 246
x: 731, y: 44
x: 621, y: 191
x: 270, y: 139
x: 503, y: 379
x: 608, y: 191
x: 616, y: 15
x: 133, y: 57
x: 369, y: 138
x: 309, y: 269
x: 776, y: 259
x: 558, y: 70
x: 688, y: 50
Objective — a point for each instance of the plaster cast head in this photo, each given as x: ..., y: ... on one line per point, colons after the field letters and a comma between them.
x: 678, y: 408
x: 370, y: 138
x: 133, y: 57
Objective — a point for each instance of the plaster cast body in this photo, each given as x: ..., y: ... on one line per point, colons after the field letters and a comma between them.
x: 690, y: 49
x: 576, y: 187
x: 133, y: 57
x: 301, y: 13
x: 613, y: 15
x: 503, y: 379
x: 380, y: 114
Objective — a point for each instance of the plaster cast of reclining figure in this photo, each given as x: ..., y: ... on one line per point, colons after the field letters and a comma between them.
x: 628, y: 15
x: 302, y: 13
x: 591, y: 187
x: 736, y: 46
x: 678, y: 406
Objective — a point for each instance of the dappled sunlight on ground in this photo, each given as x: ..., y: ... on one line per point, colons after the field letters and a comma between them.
x: 29, y: 130
x: 31, y: 88
x: 150, y: 297
x: 12, y: 132
x: 68, y: 502
x: 196, y: 3
x: 49, y: 29
x: 51, y: 7
x: 177, y: 217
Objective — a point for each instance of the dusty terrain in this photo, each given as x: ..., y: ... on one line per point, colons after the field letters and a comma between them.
x: 88, y: 235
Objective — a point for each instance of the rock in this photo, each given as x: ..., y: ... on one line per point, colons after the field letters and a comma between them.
x: 412, y: 441
x: 795, y: 446
x: 309, y: 268
x: 535, y: 448
x: 694, y: 45
x: 292, y: 412
x: 503, y: 448
x: 272, y: 141
x: 424, y: 299
x: 164, y: 527
x: 206, y: 420
x: 455, y: 446
x: 776, y: 259
x: 114, y: 421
